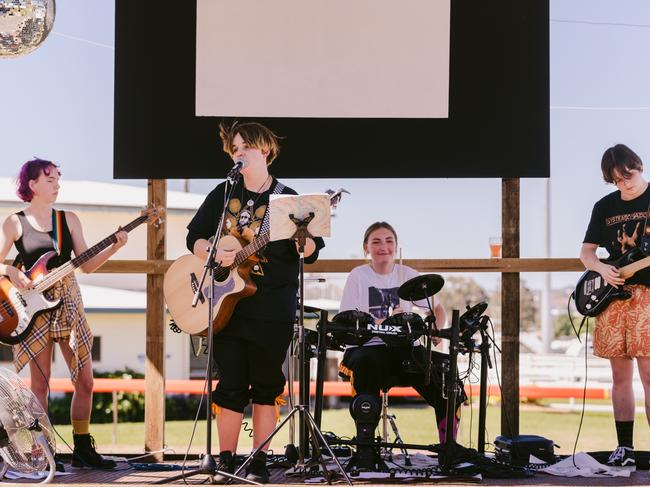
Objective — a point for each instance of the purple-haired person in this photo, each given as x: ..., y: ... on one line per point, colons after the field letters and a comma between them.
x: 35, y: 230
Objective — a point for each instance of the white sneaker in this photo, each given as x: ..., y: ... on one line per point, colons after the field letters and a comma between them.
x: 623, y: 456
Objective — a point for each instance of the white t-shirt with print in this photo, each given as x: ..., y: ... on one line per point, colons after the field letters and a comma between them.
x: 376, y: 294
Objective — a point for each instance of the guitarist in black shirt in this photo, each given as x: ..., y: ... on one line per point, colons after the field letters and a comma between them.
x: 619, y: 223
x: 250, y: 350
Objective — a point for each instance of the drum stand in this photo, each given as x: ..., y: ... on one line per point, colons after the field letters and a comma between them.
x: 307, y: 423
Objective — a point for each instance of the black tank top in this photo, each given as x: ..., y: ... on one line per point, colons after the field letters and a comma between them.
x: 33, y: 243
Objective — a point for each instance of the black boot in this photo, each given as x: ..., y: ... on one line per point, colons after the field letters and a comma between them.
x: 85, y: 454
x: 59, y: 464
x: 257, y: 471
x: 226, y: 464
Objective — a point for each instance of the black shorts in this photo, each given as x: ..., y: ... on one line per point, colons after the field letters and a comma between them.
x: 250, y: 368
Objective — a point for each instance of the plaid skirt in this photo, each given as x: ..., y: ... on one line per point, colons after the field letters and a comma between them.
x: 67, y: 322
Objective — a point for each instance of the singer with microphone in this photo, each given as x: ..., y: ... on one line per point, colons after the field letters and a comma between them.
x: 372, y: 288
x: 250, y: 350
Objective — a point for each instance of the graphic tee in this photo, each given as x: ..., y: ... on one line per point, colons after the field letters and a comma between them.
x: 376, y: 294
x: 276, y: 274
x: 619, y: 226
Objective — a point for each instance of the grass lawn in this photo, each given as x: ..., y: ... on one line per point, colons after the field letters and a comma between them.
x: 416, y: 425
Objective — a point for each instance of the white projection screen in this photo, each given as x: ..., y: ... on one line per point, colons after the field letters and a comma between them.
x: 323, y: 58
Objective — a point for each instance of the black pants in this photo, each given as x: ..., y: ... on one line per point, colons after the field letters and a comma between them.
x: 380, y: 367
x: 250, y: 368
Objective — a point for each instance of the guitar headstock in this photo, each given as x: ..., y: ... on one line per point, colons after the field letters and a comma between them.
x: 155, y: 215
x: 335, y: 196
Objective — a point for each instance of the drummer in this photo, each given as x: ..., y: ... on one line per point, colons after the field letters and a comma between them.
x: 372, y: 288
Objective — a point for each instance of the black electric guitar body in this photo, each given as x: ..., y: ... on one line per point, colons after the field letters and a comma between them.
x: 593, y: 294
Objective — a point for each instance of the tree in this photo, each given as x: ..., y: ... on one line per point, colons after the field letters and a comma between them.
x: 460, y: 292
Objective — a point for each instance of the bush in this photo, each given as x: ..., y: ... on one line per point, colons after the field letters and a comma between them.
x: 130, y: 405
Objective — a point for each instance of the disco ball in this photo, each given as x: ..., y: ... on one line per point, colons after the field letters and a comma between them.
x: 24, y: 25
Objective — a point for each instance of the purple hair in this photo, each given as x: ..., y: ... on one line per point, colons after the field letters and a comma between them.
x: 31, y: 171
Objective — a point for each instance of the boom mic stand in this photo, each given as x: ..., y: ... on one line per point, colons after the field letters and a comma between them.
x: 306, y: 420
x: 208, y: 463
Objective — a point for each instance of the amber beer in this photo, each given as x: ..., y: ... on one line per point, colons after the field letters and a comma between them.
x: 495, y: 247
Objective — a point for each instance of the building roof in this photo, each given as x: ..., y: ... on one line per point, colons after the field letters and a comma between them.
x: 95, y: 193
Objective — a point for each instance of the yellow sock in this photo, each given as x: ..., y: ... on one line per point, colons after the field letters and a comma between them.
x: 80, y: 426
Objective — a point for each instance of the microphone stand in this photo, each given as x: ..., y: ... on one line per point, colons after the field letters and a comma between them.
x: 208, y: 463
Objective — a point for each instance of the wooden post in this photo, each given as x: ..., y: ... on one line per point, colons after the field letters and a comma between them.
x: 510, y: 308
x: 154, y: 407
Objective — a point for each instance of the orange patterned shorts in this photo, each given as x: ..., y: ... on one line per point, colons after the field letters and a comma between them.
x: 623, y: 329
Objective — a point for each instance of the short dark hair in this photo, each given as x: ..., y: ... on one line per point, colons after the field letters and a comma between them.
x: 619, y: 158
x: 31, y: 171
x: 377, y: 226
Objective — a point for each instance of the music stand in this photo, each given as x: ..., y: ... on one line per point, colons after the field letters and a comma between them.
x: 299, y: 217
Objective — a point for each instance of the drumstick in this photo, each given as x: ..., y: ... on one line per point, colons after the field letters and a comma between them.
x: 401, y: 274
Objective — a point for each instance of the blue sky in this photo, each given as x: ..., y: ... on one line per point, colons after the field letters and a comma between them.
x: 58, y: 104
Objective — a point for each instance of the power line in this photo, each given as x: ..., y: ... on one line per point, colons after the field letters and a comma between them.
x: 601, y: 108
x: 79, y: 39
x: 589, y: 22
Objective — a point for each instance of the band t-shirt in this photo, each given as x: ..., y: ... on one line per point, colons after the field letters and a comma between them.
x: 619, y: 225
x: 376, y: 294
x: 276, y: 274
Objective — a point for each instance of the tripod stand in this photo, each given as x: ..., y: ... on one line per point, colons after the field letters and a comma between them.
x: 305, y: 418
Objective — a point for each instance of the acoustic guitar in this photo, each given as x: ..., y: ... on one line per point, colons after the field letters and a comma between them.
x: 230, y: 284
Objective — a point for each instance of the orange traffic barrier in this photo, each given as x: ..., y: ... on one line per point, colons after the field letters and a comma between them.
x: 330, y: 388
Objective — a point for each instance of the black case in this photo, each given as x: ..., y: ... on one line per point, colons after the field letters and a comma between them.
x: 516, y: 450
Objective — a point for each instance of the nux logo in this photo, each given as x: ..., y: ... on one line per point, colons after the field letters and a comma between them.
x: 385, y: 329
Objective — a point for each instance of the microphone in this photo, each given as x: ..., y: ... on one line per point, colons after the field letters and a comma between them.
x: 235, y: 170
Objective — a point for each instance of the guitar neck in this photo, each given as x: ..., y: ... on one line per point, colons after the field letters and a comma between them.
x: 629, y: 270
x: 84, y: 257
x: 255, y: 246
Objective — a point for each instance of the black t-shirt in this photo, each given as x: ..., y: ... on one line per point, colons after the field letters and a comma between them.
x: 276, y: 275
x: 618, y: 226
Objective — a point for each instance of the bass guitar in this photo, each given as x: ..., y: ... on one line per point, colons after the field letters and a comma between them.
x: 20, y: 308
x: 230, y: 284
x: 593, y: 294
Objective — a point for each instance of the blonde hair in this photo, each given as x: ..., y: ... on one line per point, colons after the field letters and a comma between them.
x: 254, y: 134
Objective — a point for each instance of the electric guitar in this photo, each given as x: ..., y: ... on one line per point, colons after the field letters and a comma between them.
x: 20, y: 308
x: 230, y: 284
x: 593, y: 294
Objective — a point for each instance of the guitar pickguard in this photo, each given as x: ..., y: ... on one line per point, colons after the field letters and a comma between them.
x: 220, y: 289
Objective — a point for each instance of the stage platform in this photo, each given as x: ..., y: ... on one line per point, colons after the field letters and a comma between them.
x: 126, y: 474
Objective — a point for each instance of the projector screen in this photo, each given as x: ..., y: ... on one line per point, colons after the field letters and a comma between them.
x: 355, y: 88
x: 339, y: 58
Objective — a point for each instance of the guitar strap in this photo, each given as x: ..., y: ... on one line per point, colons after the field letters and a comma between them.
x: 266, y: 222
x: 57, y: 230
x: 645, y: 238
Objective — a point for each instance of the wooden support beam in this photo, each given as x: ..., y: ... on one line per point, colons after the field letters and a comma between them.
x: 154, y: 407
x: 510, y: 308
x: 116, y: 266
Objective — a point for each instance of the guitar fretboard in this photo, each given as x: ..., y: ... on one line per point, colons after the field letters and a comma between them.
x: 84, y: 257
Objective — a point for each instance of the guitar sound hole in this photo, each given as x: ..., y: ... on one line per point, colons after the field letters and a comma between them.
x: 221, y: 275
